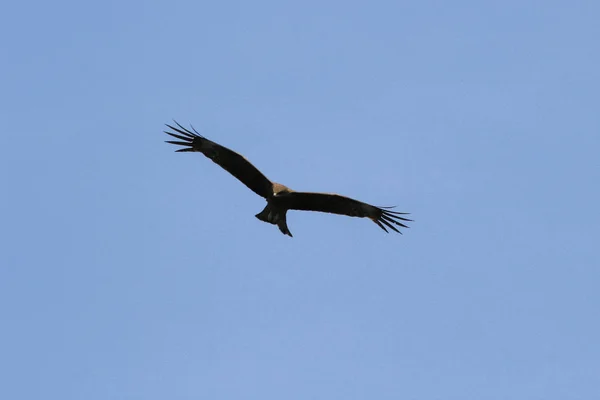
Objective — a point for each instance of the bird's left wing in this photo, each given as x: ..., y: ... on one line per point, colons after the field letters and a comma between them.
x: 229, y: 160
x: 336, y: 204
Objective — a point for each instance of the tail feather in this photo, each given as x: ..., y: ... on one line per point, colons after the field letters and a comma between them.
x: 275, y: 216
x: 264, y: 215
x: 282, y: 224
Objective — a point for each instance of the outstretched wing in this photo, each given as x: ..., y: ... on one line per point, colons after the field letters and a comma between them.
x: 229, y: 160
x: 336, y: 204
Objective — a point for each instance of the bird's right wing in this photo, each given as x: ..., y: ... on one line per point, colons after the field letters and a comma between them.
x: 229, y: 160
x: 336, y: 204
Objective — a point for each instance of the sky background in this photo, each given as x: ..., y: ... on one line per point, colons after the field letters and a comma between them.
x: 131, y: 272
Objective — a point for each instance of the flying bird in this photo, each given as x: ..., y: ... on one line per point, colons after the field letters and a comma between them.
x: 280, y: 198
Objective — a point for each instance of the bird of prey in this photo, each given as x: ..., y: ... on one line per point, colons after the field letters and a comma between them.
x: 280, y: 198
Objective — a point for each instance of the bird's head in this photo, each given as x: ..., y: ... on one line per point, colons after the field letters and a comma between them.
x: 280, y: 190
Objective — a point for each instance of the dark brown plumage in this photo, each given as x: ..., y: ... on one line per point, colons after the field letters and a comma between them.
x: 280, y: 198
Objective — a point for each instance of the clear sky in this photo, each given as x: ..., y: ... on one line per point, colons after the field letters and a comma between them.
x: 129, y: 271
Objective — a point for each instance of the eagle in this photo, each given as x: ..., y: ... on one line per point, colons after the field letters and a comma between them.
x: 280, y: 198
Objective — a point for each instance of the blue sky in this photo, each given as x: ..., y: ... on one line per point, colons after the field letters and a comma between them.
x: 132, y: 272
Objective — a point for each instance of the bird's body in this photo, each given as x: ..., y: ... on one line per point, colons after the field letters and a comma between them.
x: 279, y: 197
